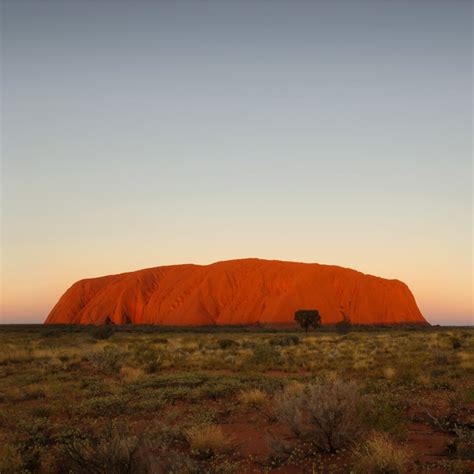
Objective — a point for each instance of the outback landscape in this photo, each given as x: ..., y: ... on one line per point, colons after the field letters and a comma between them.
x: 236, y: 237
x: 339, y: 399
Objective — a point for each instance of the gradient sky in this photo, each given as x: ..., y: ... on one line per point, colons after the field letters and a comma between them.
x: 136, y: 134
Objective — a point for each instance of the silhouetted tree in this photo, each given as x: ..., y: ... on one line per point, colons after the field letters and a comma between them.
x: 308, y: 318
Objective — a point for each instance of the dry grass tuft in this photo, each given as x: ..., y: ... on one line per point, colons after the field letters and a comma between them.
x: 389, y: 373
x: 131, y: 374
x: 466, y: 360
x: 380, y: 455
x: 253, y: 398
x: 207, y: 441
x: 294, y: 389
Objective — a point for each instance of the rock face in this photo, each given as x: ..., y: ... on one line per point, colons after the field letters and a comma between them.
x: 236, y: 292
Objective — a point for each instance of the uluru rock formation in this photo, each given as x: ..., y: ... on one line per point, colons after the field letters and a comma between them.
x: 243, y: 291
x: 236, y: 292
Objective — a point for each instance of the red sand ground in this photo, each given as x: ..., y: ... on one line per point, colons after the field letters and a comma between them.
x: 236, y: 292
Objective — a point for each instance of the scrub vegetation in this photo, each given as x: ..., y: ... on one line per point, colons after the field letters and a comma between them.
x: 224, y: 400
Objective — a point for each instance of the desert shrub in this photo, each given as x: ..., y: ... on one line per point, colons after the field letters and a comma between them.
x: 227, y: 343
x: 35, y: 437
x: 289, y: 409
x: 462, y: 446
x: 108, y: 405
x: 294, y: 388
x: 440, y: 358
x: 41, y: 412
x: 169, y: 432
x: 253, y: 398
x: 112, y: 450
x: 145, y: 405
x: 102, y: 332
x: 343, y: 327
x: 442, y: 384
x: 150, y: 358
x: 380, y: 455
x: 214, y: 389
x: 170, y: 462
x: 109, y: 359
x: 264, y: 355
x: 49, y: 332
x: 10, y: 459
x: 468, y: 394
x: 188, y: 381
x: 408, y: 373
x: 385, y: 413
x: 325, y: 413
x: 33, y: 392
x: 95, y: 387
x: 249, y: 345
x: 192, y: 387
x: 207, y: 441
x: 209, y: 416
x: 389, y: 373
x: 131, y: 374
x: 284, y: 341
x: 456, y: 342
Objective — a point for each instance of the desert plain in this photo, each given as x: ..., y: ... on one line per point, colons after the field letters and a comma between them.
x: 151, y: 399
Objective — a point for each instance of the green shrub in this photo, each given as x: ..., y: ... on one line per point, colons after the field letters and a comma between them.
x: 102, y: 332
x: 284, y: 341
x: 249, y: 344
x: 385, y: 414
x: 149, y: 357
x: 108, y: 405
x: 343, y: 327
x: 440, y: 358
x: 456, y: 342
x: 33, y: 393
x: 41, y: 412
x: 10, y: 459
x: 109, y: 359
x: 468, y: 394
x: 35, y: 437
x: 114, y: 449
x: 462, y: 446
x: 49, y: 332
x: 264, y: 355
x: 172, y: 462
x: 227, y: 343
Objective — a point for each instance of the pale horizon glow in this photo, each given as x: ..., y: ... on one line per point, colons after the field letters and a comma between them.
x: 139, y: 134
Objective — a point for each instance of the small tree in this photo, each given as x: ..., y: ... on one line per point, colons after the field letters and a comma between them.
x: 308, y: 318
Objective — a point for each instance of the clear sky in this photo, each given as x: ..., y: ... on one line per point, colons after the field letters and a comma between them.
x: 136, y: 134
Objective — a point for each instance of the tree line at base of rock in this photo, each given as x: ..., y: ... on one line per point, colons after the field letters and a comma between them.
x: 311, y: 319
